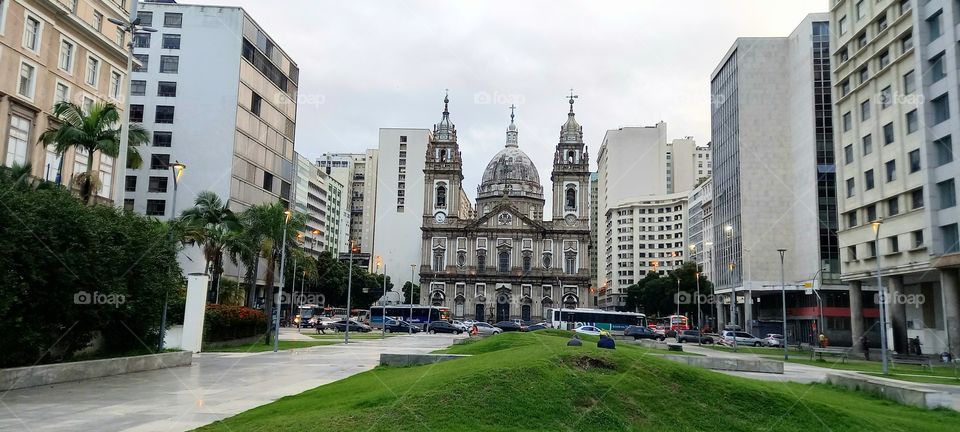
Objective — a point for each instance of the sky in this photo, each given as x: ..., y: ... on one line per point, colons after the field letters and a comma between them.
x: 368, y: 64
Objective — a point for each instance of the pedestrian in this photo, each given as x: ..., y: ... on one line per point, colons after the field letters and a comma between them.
x: 915, y: 342
x: 864, y: 342
x: 823, y: 340
x: 606, y: 342
x: 574, y: 341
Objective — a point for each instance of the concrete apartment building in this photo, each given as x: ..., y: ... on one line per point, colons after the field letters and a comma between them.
x: 399, y: 200
x: 310, y: 200
x: 700, y: 227
x: 895, y: 90
x: 338, y: 225
x: 774, y: 185
x: 358, y: 172
x: 52, y: 51
x: 639, y: 170
x: 220, y: 96
x: 595, y: 282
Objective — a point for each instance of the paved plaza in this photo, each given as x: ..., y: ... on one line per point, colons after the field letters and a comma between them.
x: 216, y: 386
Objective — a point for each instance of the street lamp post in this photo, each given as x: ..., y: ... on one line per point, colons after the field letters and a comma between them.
x: 276, y: 300
x: 303, y: 277
x: 882, y: 294
x: 410, y: 318
x: 783, y: 299
x: 709, y: 247
x: 132, y: 28
x: 346, y: 327
x: 178, y: 169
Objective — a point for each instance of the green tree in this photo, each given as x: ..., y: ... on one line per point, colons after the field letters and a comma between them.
x: 97, y: 130
x: 214, y: 227
x: 406, y: 292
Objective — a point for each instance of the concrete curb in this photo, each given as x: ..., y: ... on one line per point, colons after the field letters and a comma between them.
x: 729, y: 364
x: 416, y: 359
x: 899, y: 392
x: 33, y: 376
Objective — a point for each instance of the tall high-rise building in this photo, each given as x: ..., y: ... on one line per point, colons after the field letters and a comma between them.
x: 219, y: 95
x: 400, y: 200
x: 896, y: 98
x: 55, y: 51
x: 310, y: 200
x: 358, y: 171
x: 595, y: 281
x: 338, y: 225
x: 700, y: 226
x: 774, y: 185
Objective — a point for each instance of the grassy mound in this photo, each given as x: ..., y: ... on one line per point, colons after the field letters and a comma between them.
x: 533, y: 381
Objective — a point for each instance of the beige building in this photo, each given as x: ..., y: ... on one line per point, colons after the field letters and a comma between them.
x: 52, y: 51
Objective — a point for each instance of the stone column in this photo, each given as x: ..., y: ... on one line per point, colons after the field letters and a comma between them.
x: 721, y: 315
x: 748, y: 311
x: 950, y: 284
x: 856, y: 314
x: 898, y: 313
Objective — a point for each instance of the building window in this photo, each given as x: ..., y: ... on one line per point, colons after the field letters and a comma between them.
x: 66, y: 56
x: 917, y: 237
x: 872, y: 249
x: 136, y: 113
x: 843, y: 25
x: 141, y: 40
x: 130, y: 184
x: 867, y: 145
x: 951, y: 240
x: 948, y: 194
x: 848, y: 154
x: 162, y: 138
x: 142, y: 64
x: 914, y: 161
x: 481, y: 262
x: 167, y: 89
x: 570, y: 263
x: 909, y: 82
x: 504, y: 262
x: 116, y: 85
x: 906, y: 44
x: 62, y: 93
x: 171, y: 41
x: 547, y: 261
x: 169, y: 64
x: 884, y: 58
x: 156, y: 207
x: 138, y: 88
x: 868, y: 179
x: 17, y: 141
x: 937, y: 68
x: 864, y: 74
x: 944, y: 148
x: 888, y: 133
x: 871, y: 213
x: 893, y: 206
x: 527, y: 263
x: 916, y: 199
x: 851, y: 219
x: 861, y: 11
x: 912, y: 122
x: 571, y: 198
x: 31, y: 33
x: 865, y: 110
x: 172, y: 20
x: 159, y: 161
x: 850, y: 187
x: 935, y: 25
x: 146, y: 18
x: 256, y: 103
x: 267, y: 181
x: 845, y: 87
x: 886, y: 97
x: 28, y: 79
x: 894, y: 243
x: 441, y: 201
x: 941, y: 109
x: 98, y: 21
x: 851, y: 253
x: 164, y: 114
x: 157, y: 184
x: 847, y: 121
x: 891, y: 167
x: 93, y: 69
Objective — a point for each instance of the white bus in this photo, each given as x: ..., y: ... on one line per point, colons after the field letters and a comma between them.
x: 606, y: 320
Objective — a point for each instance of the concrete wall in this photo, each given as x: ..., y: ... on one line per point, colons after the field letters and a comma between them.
x: 33, y: 376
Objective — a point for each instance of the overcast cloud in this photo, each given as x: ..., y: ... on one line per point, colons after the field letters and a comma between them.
x: 371, y: 64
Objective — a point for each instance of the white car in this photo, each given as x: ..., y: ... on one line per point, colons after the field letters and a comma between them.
x: 773, y: 340
x: 743, y: 339
x: 588, y: 330
x: 461, y: 325
x: 487, y: 329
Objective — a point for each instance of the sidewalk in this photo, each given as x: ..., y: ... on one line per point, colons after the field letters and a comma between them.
x: 216, y: 386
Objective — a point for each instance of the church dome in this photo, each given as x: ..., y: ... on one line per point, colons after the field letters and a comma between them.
x: 510, y: 172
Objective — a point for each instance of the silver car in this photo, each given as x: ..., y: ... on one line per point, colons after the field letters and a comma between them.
x: 773, y: 340
x: 743, y: 338
x: 487, y: 329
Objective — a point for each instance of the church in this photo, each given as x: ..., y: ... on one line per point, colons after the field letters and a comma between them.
x: 500, y: 260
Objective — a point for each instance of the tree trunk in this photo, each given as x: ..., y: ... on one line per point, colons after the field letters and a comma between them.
x: 86, y: 191
x: 252, y: 291
x: 268, y: 297
x: 215, y: 277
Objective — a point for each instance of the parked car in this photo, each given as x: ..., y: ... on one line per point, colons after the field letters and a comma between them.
x: 508, y: 326
x: 535, y: 327
x: 460, y: 324
x: 342, y: 325
x: 484, y: 328
x: 589, y: 330
x: 468, y: 324
x: 443, y: 327
x: 693, y: 336
x: 773, y: 340
x: 641, y: 332
x: 395, y: 326
x: 742, y: 338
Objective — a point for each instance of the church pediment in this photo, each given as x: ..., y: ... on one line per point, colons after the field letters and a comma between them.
x: 506, y: 216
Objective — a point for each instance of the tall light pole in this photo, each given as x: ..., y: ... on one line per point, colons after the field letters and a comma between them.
x: 410, y: 318
x: 283, y: 265
x: 303, y: 277
x: 293, y: 286
x: 177, y: 169
x: 346, y: 327
x: 728, y: 230
x: 883, y: 297
x: 132, y: 28
x: 783, y: 299
x: 709, y: 251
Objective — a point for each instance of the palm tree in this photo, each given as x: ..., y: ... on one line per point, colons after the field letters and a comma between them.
x: 213, y: 226
x: 97, y: 130
x: 266, y: 225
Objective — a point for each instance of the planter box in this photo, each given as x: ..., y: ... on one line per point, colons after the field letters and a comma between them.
x: 33, y: 376
x: 730, y: 364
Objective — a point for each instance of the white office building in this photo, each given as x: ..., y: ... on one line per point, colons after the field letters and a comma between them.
x: 358, y: 172
x: 700, y: 227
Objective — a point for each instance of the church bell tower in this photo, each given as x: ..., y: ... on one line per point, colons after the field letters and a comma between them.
x: 571, y: 174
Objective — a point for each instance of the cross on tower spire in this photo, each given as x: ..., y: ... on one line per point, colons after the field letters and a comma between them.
x: 512, y: 107
x: 572, y: 97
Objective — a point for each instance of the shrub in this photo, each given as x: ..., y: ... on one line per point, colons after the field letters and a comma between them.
x: 227, y: 322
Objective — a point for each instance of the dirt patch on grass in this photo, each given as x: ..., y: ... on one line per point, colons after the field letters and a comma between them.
x: 589, y: 362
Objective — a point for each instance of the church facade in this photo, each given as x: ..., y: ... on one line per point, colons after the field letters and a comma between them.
x: 500, y: 260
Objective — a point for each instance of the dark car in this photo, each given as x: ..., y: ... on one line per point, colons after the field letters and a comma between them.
x: 443, y: 327
x: 536, y: 327
x: 641, y: 332
x: 508, y: 326
x: 354, y: 326
x: 693, y: 336
x: 394, y: 326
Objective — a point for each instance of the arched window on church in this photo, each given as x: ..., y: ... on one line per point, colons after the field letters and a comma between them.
x: 443, y: 155
x: 504, y: 264
x: 571, y: 156
x: 571, y: 198
x: 441, y: 195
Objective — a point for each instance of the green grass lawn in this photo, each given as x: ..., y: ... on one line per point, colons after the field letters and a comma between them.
x: 261, y: 347
x: 926, y: 378
x: 533, y: 381
x: 873, y: 366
